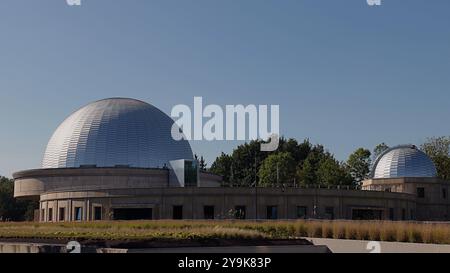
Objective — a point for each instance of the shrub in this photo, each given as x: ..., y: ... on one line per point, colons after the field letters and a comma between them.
x: 327, y: 230
x: 314, y: 229
x: 388, y: 233
x: 414, y: 235
x: 438, y: 233
x: 301, y: 229
x: 338, y: 230
x: 362, y: 231
x: 402, y: 235
x: 350, y: 232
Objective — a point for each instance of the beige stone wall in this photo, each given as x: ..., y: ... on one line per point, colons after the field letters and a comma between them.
x: 62, y: 191
x: 35, y: 182
x: 224, y: 200
x: 435, y: 205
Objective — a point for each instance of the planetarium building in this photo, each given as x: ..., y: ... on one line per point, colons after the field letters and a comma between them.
x: 115, y: 159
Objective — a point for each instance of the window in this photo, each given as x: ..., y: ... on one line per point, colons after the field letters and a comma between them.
x: 177, y: 212
x: 97, y: 213
x: 240, y: 212
x: 272, y: 212
x: 403, y: 214
x: 421, y: 192
x: 444, y: 193
x: 78, y: 214
x: 190, y: 173
x: 412, y: 214
x: 391, y: 214
x: 50, y: 214
x: 208, y: 212
x: 132, y: 213
x: 302, y: 212
x: 366, y: 214
x: 62, y: 214
x: 329, y: 213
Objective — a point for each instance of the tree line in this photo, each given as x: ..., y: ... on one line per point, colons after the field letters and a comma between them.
x: 12, y: 209
x: 305, y: 164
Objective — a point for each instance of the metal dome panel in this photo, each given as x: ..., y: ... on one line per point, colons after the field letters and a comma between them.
x: 404, y: 161
x: 115, y: 132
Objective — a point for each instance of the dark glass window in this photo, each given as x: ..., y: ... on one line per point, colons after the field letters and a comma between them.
x: 403, y: 214
x: 208, y: 212
x: 302, y: 212
x: 97, y: 213
x: 190, y: 174
x: 367, y: 214
x: 177, y: 212
x: 62, y: 214
x: 444, y: 193
x: 272, y: 212
x: 391, y: 214
x: 50, y: 214
x: 240, y: 212
x: 133, y: 214
x: 421, y: 192
x: 78, y: 214
x: 329, y: 213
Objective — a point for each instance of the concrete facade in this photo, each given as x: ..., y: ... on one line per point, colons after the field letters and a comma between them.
x: 431, y: 194
x: 88, y: 194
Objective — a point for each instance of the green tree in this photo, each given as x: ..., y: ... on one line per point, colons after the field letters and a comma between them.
x: 222, y: 166
x: 438, y: 149
x: 11, y: 208
x: 277, y: 169
x: 306, y: 174
x: 436, y: 146
x: 243, y: 166
x: 332, y: 173
x: 247, y: 158
x: 358, y: 165
x: 299, y: 151
x: 201, y: 163
x: 379, y: 149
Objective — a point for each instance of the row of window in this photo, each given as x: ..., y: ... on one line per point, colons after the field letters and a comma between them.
x: 403, y: 214
x: 421, y: 193
x: 240, y: 212
x: 77, y: 214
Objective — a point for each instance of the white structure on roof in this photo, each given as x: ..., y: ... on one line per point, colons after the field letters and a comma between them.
x: 115, y: 132
x: 403, y: 161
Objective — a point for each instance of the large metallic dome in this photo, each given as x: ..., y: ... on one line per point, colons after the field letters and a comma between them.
x: 403, y: 161
x: 115, y: 132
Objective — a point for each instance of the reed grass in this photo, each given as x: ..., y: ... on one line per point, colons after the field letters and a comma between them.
x: 413, y: 232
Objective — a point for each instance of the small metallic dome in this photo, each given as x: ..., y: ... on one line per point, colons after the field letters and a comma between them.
x: 115, y: 132
x: 403, y: 161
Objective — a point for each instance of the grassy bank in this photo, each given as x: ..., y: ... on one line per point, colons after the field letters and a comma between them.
x: 436, y: 233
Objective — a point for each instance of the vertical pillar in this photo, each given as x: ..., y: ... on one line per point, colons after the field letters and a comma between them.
x: 88, y: 210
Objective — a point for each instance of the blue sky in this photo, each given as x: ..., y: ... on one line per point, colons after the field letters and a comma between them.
x: 346, y: 75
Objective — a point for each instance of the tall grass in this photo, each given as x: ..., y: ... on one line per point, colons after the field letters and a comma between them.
x: 413, y: 232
